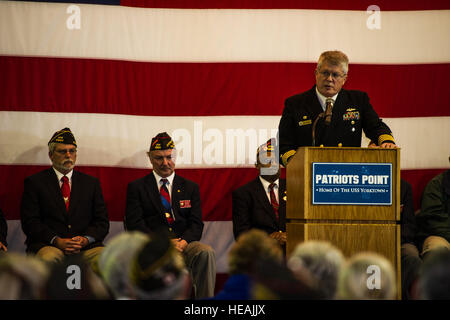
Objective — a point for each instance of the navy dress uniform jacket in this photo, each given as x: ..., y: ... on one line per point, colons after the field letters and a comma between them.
x: 352, y: 114
x: 44, y: 214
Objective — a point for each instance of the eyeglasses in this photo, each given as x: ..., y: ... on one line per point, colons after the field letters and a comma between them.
x: 161, y: 158
x: 64, y: 151
x: 334, y: 75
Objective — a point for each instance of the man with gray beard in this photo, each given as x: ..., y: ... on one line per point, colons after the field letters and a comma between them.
x: 62, y: 210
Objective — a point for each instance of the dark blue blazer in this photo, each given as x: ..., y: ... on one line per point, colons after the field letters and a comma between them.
x: 44, y: 214
x: 145, y: 212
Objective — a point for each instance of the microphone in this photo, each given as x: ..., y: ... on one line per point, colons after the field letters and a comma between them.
x: 320, y: 116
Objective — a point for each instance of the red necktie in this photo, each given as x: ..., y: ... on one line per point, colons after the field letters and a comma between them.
x: 65, y: 189
x: 273, y: 200
x: 165, y: 198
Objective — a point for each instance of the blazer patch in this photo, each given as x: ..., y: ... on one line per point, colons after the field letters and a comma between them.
x: 185, y: 204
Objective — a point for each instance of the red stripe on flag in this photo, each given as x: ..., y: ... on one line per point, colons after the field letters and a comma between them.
x: 206, y: 89
x: 216, y: 186
x: 386, y: 5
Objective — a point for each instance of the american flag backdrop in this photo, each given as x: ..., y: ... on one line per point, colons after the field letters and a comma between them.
x: 213, y: 74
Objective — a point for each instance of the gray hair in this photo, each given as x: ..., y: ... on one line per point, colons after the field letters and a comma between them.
x: 321, y: 261
x: 115, y: 260
x: 52, y: 147
x: 354, y: 282
x: 22, y: 277
x: 334, y: 58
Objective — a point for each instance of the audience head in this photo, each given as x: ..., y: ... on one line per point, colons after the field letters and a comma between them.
x: 22, y: 277
x: 273, y: 280
x: 158, y: 271
x: 367, y: 276
x: 320, y: 262
x: 434, y: 278
x: 248, y: 248
x: 73, y: 279
x: 115, y: 260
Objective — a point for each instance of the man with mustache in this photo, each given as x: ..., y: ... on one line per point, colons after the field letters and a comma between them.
x: 329, y: 115
x: 62, y: 210
x: 164, y: 202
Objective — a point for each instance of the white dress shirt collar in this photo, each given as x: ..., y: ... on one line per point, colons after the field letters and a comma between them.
x: 169, y: 178
x: 323, y: 99
x: 266, y: 185
x: 59, y: 175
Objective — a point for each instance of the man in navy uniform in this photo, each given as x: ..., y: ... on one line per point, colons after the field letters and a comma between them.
x: 329, y: 115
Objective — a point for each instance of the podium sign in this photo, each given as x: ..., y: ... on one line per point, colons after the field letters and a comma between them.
x: 347, y: 196
x: 352, y: 183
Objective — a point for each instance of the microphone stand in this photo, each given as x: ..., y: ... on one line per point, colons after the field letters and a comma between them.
x: 320, y: 116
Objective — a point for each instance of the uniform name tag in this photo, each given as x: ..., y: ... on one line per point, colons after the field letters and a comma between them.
x: 305, y: 122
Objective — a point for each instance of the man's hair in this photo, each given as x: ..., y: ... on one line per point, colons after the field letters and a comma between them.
x: 322, y: 261
x: 434, y: 278
x: 52, y: 147
x: 249, y: 248
x: 334, y: 58
x: 353, y: 283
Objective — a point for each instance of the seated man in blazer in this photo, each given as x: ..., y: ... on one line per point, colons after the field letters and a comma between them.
x: 62, y: 210
x: 261, y: 203
x: 164, y: 202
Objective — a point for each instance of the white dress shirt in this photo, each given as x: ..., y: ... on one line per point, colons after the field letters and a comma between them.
x: 323, y: 99
x: 59, y: 175
x: 169, y: 185
x: 266, y: 185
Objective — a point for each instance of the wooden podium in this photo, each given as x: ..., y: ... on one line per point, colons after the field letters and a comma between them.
x: 352, y: 228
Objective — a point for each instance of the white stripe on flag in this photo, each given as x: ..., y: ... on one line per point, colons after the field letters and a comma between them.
x: 225, y: 35
x: 202, y: 142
